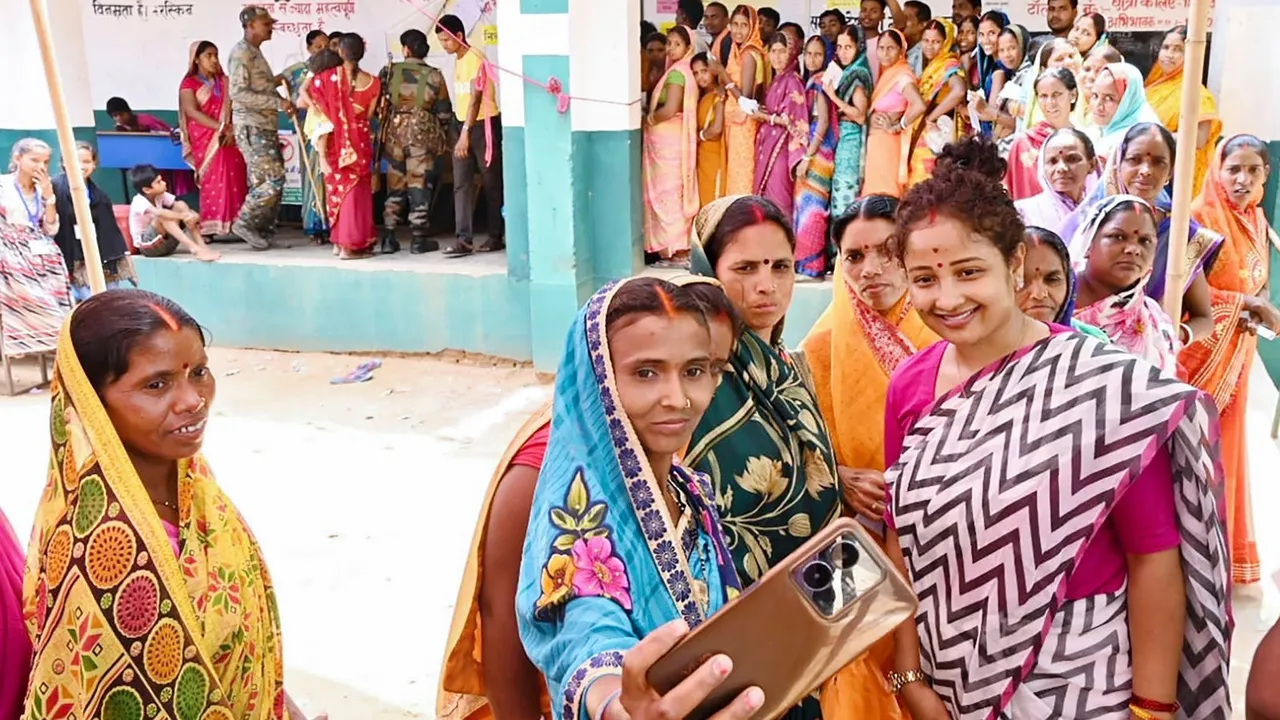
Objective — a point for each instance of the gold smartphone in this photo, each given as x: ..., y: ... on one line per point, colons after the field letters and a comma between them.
x: 808, y: 617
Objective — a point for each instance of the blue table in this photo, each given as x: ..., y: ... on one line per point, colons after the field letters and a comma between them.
x: 125, y: 149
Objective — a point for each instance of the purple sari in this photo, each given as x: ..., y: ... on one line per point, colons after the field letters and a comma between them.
x: 780, y: 147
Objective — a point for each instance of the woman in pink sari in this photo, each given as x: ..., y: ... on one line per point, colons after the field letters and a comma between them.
x: 208, y: 144
x: 15, y: 646
x: 783, y: 136
x: 670, y: 166
x: 347, y: 96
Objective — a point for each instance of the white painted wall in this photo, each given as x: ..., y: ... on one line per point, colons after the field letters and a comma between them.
x: 143, y: 55
x: 1246, y: 82
x: 604, y: 66
x: 25, y: 93
x: 539, y: 34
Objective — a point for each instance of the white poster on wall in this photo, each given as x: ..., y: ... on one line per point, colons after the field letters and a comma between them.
x: 292, y: 154
x: 140, y: 48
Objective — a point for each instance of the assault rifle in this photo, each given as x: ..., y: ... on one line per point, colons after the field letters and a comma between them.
x: 382, y: 116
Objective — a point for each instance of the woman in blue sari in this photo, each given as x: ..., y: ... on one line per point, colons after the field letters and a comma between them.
x: 851, y: 95
x: 605, y: 571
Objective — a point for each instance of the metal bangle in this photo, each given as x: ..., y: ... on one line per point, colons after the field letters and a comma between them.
x: 899, y: 680
x: 604, y: 707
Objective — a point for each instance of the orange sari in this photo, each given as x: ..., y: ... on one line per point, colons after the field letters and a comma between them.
x: 1220, y: 364
x: 888, y: 153
x: 710, y: 152
x: 740, y: 128
x: 462, y: 693
x: 852, y: 351
x: 1164, y: 95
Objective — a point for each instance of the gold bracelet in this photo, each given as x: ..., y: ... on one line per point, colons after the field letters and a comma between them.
x: 899, y: 680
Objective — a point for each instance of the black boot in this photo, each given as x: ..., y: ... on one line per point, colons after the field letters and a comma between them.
x: 387, y: 243
x: 423, y: 244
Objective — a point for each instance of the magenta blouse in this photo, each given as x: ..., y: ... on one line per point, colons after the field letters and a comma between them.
x: 15, y: 646
x: 1141, y: 522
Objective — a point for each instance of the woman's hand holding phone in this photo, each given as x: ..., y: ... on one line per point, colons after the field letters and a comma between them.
x: 639, y: 700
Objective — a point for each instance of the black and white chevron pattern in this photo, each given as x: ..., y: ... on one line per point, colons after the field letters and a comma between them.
x: 1000, y: 487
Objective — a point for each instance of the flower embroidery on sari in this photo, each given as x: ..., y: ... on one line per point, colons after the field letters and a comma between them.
x: 582, y: 563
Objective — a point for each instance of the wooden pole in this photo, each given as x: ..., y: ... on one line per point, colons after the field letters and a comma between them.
x: 67, y: 144
x: 1185, y: 168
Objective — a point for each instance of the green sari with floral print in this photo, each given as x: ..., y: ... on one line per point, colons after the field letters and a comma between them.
x: 765, y: 447
x: 763, y: 443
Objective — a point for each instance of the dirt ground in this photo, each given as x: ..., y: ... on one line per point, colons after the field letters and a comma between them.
x: 364, y: 499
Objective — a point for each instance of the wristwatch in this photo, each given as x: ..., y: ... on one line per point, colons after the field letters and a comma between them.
x: 899, y: 680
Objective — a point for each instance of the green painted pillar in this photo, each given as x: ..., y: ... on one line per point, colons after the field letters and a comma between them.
x: 572, y: 179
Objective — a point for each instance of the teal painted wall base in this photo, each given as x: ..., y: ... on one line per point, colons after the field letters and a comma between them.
x: 608, y: 192
x: 306, y: 308
x: 331, y: 309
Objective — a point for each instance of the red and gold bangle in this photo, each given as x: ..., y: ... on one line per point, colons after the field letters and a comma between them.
x: 1140, y: 703
x: 1154, y: 705
x: 1141, y: 714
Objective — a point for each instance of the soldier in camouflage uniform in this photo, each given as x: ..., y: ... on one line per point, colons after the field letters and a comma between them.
x: 414, y: 142
x: 254, y: 107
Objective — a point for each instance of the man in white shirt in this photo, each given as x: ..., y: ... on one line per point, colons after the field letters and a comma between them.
x: 689, y: 14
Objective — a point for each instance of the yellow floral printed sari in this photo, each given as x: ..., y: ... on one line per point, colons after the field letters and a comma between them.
x: 123, y: 629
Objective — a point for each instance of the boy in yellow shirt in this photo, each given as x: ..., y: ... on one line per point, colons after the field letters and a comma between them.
x: 475, y: 105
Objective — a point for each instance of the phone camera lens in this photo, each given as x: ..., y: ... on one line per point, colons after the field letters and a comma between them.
x: 817, y: 576
x: 845, y: 554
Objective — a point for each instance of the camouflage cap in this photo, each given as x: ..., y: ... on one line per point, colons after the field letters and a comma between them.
x: 254, y: 12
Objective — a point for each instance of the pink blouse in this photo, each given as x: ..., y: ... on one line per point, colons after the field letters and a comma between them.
x: 1142, y: 521
x: 15, y: 646
x: 171, y: 531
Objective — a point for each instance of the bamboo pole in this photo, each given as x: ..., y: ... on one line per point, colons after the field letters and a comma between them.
x: 67, y: 145
x: 1185, y: 168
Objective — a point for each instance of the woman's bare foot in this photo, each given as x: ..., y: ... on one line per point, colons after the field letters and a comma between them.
x: 355, y: 254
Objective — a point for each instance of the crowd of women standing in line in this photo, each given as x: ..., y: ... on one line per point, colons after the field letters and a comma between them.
x: 946, y: 306
x: 813, y: 124
x: 687, y: 451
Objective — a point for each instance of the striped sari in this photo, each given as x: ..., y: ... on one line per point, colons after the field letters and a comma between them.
x: 813, y: 189
x: 968, y: 478
x: 34, y: 294
x: 123, y: 621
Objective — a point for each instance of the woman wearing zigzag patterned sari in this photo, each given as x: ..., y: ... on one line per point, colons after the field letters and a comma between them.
x: 624, y: 551
x: 146, y: 594
x: 1054, y: 500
